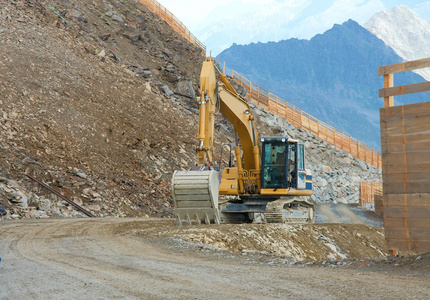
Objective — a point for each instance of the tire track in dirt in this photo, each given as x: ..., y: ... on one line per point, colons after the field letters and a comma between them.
x: 340, y: 213
x: 99, y: 259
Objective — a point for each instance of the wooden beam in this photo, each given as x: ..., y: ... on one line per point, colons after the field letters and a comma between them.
x: 408, y: 245
x: 393, y: 252
x: 412, y: 233
x: 405, y: 66
x: 404, y: 89
x: 411, y: 221
x: 406, y: 212
x: 388, y: 83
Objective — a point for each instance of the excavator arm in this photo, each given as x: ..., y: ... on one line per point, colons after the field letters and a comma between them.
x: 216, y: 93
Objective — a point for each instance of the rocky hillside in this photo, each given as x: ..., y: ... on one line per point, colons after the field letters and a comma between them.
x: 95, y: 101
x: 405, y: 31
x: 87, y: 104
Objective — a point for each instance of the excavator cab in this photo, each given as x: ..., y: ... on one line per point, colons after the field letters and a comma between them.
x: 283, y: 164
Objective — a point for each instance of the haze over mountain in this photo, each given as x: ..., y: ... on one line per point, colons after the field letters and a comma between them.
x: 219, y: 24
x: 403, y: 30
x: 332, y: 76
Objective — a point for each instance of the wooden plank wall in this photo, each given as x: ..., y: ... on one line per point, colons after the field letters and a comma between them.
x: 379, y: 203
x: 405, y: 141
x: 368, y: 191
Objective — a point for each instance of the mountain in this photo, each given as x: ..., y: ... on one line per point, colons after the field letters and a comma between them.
x: 405, y: 31
x: 332, y: 76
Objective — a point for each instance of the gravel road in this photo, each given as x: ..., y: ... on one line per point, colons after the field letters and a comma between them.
x: 100, y: 259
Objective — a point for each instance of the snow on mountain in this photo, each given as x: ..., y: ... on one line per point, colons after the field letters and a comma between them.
x: 405, y: 32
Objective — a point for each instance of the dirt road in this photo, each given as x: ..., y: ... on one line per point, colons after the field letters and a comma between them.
x: 346, y: 214
x: 100, y: 259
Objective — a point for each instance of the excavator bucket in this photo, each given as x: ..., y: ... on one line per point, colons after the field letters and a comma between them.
x: 195, y: 196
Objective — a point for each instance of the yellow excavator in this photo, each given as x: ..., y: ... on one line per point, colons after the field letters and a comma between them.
x: 269, y: 180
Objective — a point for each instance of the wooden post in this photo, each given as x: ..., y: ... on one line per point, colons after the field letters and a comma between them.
x: 350, y: 146
x: 318, y: 128
x: 258, y: 94
x: 358, y: 149
x: 388, y: 83
x: 301, y: 118
x: 333, y: 131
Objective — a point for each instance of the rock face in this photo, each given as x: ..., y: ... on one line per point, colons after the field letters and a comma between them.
x: 405, y: 31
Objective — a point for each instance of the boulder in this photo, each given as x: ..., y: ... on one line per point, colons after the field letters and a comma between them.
x: 73, y: 14
x: 165, y: 88
x: 363, y: 165
x: 185, y: 88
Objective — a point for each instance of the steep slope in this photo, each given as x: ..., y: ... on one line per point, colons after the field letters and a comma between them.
x: 333, y: 76
x: 405, y: 31
x: 85, y: 106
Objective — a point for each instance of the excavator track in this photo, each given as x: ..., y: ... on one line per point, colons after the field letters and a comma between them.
x: 294, y: 211
x: 195, y: 197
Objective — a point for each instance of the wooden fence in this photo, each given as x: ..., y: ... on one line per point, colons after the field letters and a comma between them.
x: 303, y: 120
x: 405, y: 141
x: 158, y: 9
x: 368, y: 191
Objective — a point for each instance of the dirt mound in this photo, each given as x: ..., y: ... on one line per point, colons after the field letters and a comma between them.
x: 86, y: 104
x: 297, y: 242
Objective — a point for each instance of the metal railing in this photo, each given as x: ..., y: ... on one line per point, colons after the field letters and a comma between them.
x: 57, y: 194
x: 301, y: 119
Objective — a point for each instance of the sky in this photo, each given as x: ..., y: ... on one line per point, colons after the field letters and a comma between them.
x: 219, y: 24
